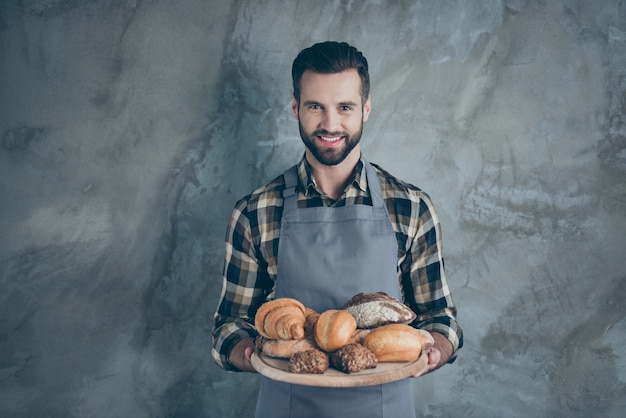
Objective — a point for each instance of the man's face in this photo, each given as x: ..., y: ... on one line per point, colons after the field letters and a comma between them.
x: 331, y: 114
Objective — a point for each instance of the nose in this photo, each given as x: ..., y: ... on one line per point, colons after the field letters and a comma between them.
x: 330, y: 121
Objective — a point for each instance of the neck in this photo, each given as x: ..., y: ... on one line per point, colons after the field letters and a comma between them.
x: 332, y: 180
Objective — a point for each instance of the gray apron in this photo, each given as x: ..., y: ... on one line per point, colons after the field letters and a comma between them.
x: 326, y: 256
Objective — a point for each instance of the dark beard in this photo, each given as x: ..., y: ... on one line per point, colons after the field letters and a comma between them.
x: 330, y: 156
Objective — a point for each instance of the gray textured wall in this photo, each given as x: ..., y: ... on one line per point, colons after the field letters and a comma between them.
x: 129, y: 128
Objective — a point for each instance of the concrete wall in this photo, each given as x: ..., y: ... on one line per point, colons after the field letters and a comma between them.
x: 129, y: 128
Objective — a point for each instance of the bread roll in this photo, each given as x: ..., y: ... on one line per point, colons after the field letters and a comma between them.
x: 394, y: 343
x: 309, y: 361
x: 310, y: 318
x: 333, y: 329
x: 352, y: 358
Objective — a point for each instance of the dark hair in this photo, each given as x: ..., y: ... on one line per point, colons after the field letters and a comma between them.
x: 329, y: 58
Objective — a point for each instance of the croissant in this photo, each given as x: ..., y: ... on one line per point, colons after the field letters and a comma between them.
x: 281, y: 318
x: 285, y: 323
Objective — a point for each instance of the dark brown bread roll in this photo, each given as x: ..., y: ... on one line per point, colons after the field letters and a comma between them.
x: 309, y: 361
x: 353, y: 358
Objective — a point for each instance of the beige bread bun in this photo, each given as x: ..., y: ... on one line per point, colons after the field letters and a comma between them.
x: 333, y: 329
x: 287, y: 348
x: 394, y: 343
x: 274, y: 327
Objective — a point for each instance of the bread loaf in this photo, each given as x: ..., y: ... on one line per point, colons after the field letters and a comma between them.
x: 427, y: 338
x: 394, y: 343
x: 333, y: 329
x: 372, y: 310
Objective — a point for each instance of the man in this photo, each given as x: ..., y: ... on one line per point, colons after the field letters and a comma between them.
x: 330, y: 227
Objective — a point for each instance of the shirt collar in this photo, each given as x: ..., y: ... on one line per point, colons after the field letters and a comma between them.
x: 305, y: 177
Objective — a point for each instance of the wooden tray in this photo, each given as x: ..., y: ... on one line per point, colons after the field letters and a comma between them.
x: 277, y: 369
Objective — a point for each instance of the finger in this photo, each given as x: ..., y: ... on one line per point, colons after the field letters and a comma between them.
x: 422, y: 372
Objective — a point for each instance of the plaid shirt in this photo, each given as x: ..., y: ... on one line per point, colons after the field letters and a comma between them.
x: 252, y: 246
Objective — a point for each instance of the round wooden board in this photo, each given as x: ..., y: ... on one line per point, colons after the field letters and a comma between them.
x: 277, y: 369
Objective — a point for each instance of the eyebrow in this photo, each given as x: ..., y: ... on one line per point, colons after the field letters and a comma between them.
x: 313, y: 102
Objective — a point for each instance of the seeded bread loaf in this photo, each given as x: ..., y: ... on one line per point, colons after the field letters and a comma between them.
x: 372, y: 310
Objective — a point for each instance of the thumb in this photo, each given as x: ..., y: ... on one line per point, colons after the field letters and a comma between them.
x: 248, y: 352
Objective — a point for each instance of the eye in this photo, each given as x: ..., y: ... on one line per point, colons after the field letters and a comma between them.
x: 314, y: 107
x: 345, y: 108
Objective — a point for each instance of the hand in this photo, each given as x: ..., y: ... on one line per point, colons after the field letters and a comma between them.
x: 434, y: 357
x: 241, y: 353
x: 438, y: 355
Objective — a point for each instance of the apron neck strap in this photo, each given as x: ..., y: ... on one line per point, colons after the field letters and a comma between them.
x: 291, y: 181
x: 373, y: 185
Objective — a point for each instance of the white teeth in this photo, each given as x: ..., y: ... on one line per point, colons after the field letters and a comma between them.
x: 331, y: 138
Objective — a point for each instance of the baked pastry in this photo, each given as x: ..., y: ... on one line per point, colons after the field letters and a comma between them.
x: 281, y: 318
x: 286, y: 323
x: 359, y: 335
x: 287, y: 348
x: 333, y: 329
x: 427, y: 338
x: 352, y: 358
x: 259, y: 341
x: 395, y: 343
x: 310, y: 318
x: 309, y: 361
x: 372, y: 310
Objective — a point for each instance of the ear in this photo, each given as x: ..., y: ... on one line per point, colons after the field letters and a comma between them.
x: 367, y: 108
x: 294, y: 107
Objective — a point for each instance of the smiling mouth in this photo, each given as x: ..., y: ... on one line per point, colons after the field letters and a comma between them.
x: 330, y: 139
